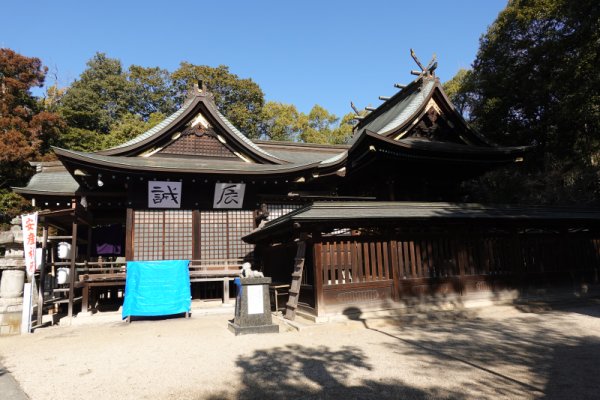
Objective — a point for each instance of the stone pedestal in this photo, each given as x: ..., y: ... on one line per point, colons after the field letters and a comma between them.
x: 11, y: 299
x: 252, y: 307
x: 10, y: 316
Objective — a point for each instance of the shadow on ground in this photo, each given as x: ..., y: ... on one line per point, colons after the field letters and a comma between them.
x: 294, y: 372
x: 531, y: 355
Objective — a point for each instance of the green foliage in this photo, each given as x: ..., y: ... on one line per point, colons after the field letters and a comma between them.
x: 129, y: 127
x: 100, y: 97
x: 282, y: 122
x: 321, y: 127
x: 459, y: 90
x: 107, y: 105
x: 153, y: 92
x: 240, y: 100
x: 535, y: 81
x: 105, y: 94
x: 344, y: 132
x: 79, y: 139
x: 11, y: 205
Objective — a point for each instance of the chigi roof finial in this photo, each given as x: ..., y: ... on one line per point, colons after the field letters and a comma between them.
x: 356, y: 111
x: 428, y: 70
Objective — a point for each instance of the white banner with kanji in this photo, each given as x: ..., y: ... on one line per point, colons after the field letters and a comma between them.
x: 229, y: 195
x: 29, y: 222
x: 164, y: 194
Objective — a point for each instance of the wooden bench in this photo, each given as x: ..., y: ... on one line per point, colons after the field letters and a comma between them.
x: 215, y: 270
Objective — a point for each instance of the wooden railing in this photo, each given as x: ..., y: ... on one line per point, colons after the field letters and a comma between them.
x: 205, y: 267
x: 215, y: 268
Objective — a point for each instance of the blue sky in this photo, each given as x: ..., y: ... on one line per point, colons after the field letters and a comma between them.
x: 301, y: 52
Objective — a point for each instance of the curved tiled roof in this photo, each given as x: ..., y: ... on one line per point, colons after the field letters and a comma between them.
x: 409, y: 107
x: 180, y: 165
x: 58, y: 183
x: 241, y: 136
x: 398, y: 114
x: 157, y: 128
x: 368, y: 213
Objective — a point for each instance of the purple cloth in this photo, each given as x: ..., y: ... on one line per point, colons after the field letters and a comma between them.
x: 108, y: 240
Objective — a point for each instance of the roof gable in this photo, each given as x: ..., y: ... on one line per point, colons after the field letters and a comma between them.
x: 420, y: 110
x: 198, y: 113
x: 197, y: 141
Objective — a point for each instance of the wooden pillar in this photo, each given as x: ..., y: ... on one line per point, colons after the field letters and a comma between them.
x: 318, y: 272
x: 226, y: 291
x: 196, y: 250
x: 40, y: 310
x: 392, y: 191
x: 518, y: 267
x: 395, y: 269
x: 72, y: 270
x: 461, y: 259
x: 129, y: 235
x: 88, y: 249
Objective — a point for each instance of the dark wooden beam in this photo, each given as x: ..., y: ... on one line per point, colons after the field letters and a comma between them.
x: 129, y: 235
x: 72, y: 269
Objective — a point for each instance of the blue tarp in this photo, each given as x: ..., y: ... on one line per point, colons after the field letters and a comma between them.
x: 155, y: 288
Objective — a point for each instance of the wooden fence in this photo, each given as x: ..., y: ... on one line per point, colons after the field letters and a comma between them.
x: 357, y: 269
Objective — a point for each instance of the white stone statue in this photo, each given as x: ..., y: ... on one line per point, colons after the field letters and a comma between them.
x: 247, y: 271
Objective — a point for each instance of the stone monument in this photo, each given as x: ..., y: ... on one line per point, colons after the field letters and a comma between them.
x: 252, y: 307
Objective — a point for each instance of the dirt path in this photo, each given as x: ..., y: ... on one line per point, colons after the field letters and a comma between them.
x: 498, y: 352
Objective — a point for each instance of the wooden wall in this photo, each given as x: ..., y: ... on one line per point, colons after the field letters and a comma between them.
x: 372, y: 271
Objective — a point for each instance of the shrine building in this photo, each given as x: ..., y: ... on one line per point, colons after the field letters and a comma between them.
x: 367, y: 225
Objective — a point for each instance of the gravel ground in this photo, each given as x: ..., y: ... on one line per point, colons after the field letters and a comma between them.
x: 491, y: 353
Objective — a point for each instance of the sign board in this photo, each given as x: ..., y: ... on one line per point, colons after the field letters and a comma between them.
x: 164, y: 194
x: 229, y: 195
x: 27, y: 309
x: 29, y: 222
x: 255, y: 299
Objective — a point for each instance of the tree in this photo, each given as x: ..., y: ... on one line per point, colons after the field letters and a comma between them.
x: 535, y: 81
x: 130, y: 126
x: 100, y: 97
x: 321, y: 127
x: 240, y: 100
x: 282, y: 122
x: 11, y: 205
x: 459, y: 90
x: 153, y: 91
x: 26, y: 130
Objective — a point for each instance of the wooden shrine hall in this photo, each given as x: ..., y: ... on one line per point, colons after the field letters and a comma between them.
x: 193, y: 186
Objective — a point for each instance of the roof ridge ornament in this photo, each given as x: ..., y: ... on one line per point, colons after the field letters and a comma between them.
x: 356, y: 111
x: 429, y: 69
x: 200, y: 88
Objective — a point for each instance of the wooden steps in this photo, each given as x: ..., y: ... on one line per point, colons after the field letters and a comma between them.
x: 294, y: 292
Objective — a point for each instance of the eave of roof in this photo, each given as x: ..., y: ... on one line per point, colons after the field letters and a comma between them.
x: 373, y: 213
x: 178, y: 165
x: 302, y: 153
x: 440, y: 151
x: 51, y: 183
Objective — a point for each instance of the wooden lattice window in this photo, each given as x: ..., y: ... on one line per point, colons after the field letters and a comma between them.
x: 162, y: 235
x: 221, y: 234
